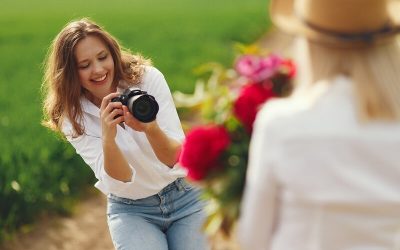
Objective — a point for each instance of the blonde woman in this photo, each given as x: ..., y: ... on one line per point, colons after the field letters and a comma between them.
x: 150, y: 206
x: 324, y: 164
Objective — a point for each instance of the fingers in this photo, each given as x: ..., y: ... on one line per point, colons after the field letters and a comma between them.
x: 118, y: 120
x: 107, y: 106
x: 128, y: 116
x: 114, y: 114
x: 132, y: 122
x: 111, y: 112
x: 107, y: 99
x: 112, y: 106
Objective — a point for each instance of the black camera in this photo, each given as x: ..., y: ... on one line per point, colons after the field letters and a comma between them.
x: 142, y: 106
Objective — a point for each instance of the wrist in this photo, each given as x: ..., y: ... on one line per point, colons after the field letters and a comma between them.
x: 151, y: 128
x: 109, y: 142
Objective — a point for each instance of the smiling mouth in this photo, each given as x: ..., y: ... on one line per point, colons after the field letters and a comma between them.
x: 100, y: 79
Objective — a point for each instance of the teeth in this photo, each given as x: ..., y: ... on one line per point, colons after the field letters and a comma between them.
x: 100, y: 79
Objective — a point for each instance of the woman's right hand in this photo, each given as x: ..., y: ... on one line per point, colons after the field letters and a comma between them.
x: 111, y: 114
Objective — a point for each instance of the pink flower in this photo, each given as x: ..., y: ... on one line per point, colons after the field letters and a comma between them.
x: 202, y: 149
x: 258, y: 68
x: 248, y: 103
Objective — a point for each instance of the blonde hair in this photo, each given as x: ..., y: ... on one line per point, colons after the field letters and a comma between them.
x: 61, y: 87
x: 374, y: 70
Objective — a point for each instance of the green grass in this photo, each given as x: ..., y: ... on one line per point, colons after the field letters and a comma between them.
x: 178, y: 35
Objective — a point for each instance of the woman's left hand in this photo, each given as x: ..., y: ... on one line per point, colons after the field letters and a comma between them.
x: 135, y: 124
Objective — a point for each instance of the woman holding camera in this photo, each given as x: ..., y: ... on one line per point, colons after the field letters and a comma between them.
x: 150, y: 205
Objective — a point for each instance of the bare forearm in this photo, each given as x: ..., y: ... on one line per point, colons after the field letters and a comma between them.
x: 165, y: 148
x: 114, y: 162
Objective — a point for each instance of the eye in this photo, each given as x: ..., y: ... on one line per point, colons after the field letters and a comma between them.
x: 83, y: 66
x: 103, y: 57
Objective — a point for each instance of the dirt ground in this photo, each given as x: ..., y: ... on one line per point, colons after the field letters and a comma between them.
x: 86, y: 229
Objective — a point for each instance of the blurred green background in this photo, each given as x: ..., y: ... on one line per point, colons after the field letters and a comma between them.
x: 38, y: 171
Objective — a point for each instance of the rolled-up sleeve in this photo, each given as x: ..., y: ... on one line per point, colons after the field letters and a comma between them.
x: 167, y: 117
x: 90, y: 149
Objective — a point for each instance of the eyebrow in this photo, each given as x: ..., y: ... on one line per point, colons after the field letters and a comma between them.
x: 85, y: 60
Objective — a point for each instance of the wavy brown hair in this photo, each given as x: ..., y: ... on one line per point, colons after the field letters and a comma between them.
x: 61, y: 87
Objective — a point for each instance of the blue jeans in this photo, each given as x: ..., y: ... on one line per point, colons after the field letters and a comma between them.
x: 171, y: 219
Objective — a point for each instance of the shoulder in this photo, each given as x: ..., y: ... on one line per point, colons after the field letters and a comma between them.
x: 154, y: 82
x: 281, y: 110
x: 151, y: 73
x: 276, y: 114
x: 324, y: 106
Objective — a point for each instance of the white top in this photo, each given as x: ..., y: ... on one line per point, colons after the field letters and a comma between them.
x: 318, y: 179
x: 149, y: 174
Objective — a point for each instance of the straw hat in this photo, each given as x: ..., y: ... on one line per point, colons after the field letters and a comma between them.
x: 338, y: 22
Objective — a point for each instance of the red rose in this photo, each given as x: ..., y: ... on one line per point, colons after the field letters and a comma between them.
x: 201, y: 150
x: 248, y: 103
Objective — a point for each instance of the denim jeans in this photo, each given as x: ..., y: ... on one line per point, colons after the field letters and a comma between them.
x: 171, y: 219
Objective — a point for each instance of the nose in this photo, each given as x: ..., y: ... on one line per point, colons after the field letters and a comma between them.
x: 97, y: 67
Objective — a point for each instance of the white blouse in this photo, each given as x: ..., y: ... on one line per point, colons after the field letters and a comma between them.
x: 149, y: 174
x: 318, y: 179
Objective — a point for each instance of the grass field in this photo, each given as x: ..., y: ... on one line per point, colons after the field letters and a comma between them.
x: 178, y: 35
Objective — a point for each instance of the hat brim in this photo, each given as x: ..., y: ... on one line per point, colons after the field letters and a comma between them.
x: 283, y: 16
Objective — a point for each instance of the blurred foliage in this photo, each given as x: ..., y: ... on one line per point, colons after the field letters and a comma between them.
x: 224, y: 107
x: 38, y: 179
x: 38, y: 172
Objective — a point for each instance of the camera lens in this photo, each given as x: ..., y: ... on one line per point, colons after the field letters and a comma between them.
x: 143, y: 107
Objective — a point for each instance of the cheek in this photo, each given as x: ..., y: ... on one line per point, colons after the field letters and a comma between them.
x: 83, y: 76
x: 111, y: 71
x: 110, y: 65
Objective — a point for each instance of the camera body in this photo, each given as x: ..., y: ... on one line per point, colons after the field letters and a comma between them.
x: 142, y: 106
